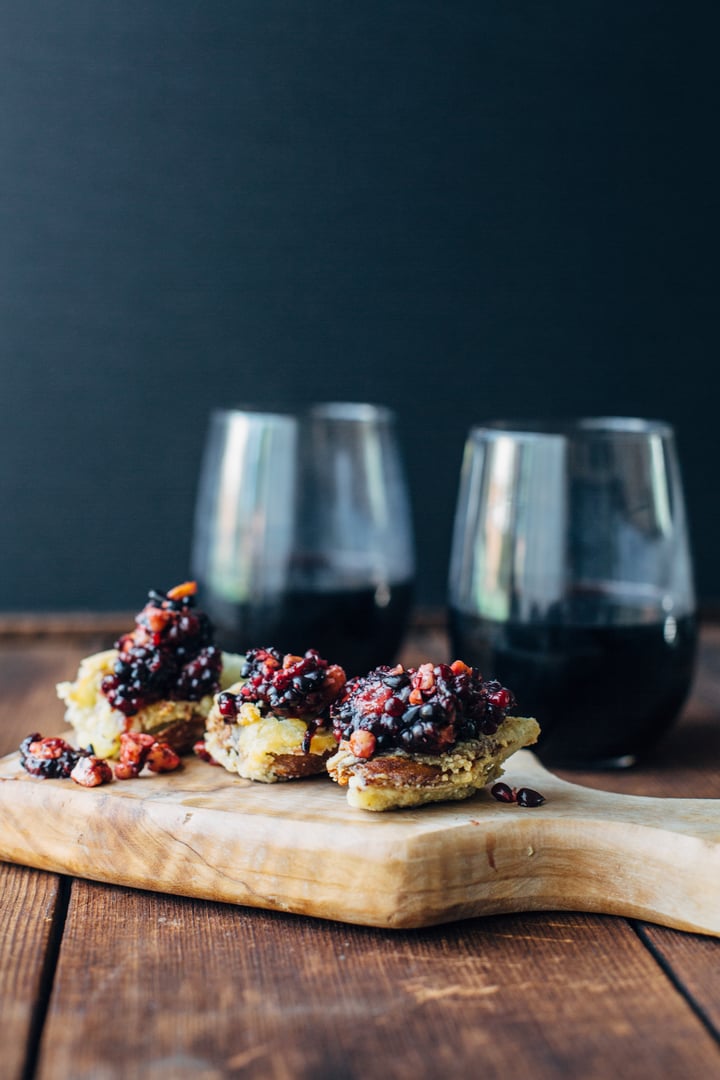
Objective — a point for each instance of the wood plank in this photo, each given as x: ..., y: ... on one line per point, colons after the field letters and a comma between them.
x: 63, y: 625
x: 166, y: 988
x: 695, y: 965
x: 32, y: 910
x: 28, y: 673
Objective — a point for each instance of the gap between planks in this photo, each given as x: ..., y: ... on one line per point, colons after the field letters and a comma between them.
x: 47, y: 976
x: 643, y: 932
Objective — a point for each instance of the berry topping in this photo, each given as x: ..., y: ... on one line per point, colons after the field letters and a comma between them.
x: 302, y: 686
x: 169, y: 655
x: 425, y: 710
x: 52, y: 758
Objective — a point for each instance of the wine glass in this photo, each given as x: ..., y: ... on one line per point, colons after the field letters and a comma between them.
x: 571, y: 581
x: 303, y: 535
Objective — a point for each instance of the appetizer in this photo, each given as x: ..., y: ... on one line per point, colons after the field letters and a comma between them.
x: 273, y: 723
x: 159, y: 678
x: 414, y: 736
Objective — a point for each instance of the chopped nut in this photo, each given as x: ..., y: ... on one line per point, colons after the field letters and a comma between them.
x: 125, y: 770
x: 48, y: 749
x: 187, y: 588
x: 134, y: 747
x: 162, y: 758
x: 156, y: 619
x: 362, y: 743
x: 138, y: 749
x: 91, y: 771
x: 425, y: 678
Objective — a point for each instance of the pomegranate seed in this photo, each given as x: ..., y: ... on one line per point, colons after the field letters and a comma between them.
x: 501, y: 698
x: 528, y: 797
x: 503, y: 793
x: 227, y: 705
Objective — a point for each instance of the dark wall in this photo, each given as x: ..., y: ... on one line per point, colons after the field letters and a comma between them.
x: 462, y: 210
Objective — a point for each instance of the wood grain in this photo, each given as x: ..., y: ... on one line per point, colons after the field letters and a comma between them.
x: 31, y: 910
x: 692, y: 962
x: 28, y: 674
x: 166, y: 988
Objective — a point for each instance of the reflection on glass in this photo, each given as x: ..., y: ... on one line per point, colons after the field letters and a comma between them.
x: 303, y: 535
x: 571, y: 580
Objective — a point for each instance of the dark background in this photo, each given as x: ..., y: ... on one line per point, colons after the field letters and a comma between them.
x: 462, y: 210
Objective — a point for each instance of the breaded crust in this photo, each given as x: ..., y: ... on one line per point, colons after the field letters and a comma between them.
x: 394, y: 779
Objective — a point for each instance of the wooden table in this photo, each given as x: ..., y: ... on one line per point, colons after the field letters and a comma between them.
x: 101, y: 982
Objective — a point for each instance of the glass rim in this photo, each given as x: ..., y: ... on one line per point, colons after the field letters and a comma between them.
x: 573, y: 427
x: 358, y: 411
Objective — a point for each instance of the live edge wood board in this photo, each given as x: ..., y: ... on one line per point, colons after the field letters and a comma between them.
x: 299, y: 847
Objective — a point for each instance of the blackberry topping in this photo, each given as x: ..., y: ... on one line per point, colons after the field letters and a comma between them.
x: 169, y: 655
x: 425, y: 710
x: 302, y: 686
x: 51, y: 758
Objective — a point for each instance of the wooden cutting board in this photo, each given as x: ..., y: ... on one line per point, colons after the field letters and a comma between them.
x: 299, y: 847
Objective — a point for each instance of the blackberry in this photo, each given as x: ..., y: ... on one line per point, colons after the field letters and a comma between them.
x: 425, y: 710
x: 201, y: 675
x: 169, y: 655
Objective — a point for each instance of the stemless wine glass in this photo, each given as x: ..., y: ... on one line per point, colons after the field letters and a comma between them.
x: 303, y: 535
x: 571, y: 581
